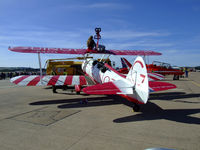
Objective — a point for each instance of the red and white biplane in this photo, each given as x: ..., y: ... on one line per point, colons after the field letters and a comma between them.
x: 134, y: 86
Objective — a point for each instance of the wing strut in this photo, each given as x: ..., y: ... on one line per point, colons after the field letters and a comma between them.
x: 40, y: 68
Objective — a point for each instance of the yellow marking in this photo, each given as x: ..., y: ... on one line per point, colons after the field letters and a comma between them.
x: 197, y: 84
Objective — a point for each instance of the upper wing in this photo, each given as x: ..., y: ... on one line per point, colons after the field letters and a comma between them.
x: 34, y: 80
x: 47, y: 50
x: 134, y: 52
x: 80, y: 51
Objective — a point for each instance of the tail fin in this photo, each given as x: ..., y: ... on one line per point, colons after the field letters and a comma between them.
x: 139, y: 79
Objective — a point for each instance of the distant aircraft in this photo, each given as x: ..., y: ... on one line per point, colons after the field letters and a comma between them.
x: 126, y: 65
x: 164, y: 69
x: 135, y: 86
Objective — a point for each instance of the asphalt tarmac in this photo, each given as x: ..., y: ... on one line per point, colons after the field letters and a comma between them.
x: 33, y: 118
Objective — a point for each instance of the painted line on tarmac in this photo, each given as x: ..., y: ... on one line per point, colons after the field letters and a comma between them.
x: 195, y: 83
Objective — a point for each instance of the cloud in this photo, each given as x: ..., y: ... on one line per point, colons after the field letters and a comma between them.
x: 124, y: 34
x: 92, y: 6
x: 140, y: 44
x: 108, y: 5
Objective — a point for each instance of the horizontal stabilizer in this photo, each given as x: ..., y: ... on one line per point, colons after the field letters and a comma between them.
x: 108, y: 88
x: 34, y: 80
x: 160, y: 86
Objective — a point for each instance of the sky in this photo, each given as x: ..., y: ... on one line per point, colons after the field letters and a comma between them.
x: 171, y: 27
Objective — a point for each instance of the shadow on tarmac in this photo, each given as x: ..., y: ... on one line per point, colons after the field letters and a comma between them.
x: 151, y: 111
x: 173, y: 96
x: 80, y: 102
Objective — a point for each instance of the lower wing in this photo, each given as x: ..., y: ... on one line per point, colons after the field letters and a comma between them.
x: 36, y: 80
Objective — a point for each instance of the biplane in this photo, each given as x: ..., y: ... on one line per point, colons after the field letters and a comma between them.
x: 156, y: 71
x: 164, y: 69
x: 134, y: 86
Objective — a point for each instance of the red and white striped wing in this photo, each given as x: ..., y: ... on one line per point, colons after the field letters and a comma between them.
x: 34, y: 80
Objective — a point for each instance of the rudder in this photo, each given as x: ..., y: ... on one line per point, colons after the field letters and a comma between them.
x: 139, y: 79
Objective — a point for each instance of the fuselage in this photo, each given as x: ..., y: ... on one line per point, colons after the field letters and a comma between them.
x: 100, y: 72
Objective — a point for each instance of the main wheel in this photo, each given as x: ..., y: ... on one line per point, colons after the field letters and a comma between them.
x: 136, y: 108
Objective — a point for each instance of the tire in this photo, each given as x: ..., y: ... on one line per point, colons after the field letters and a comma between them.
x: 136, y: 108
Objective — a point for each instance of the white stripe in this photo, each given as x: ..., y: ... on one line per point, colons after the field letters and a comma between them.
x: 151, y: 76
x: 15, y: 78
x: 26, y: 80
x: 150, y: 79
x: 156, y: 76
x: 61, y: 80
x: 75, y: 80
x: 45, y: 81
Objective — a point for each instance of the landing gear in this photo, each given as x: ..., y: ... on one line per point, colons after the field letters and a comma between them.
x: 176, y: 77
x: 78, y: 92
x: 136, y: 108
x: 54, y: 89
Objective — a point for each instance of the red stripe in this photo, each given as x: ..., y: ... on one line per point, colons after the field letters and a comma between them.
x: 156, y: 74
x: 127, y: 62
x: 82, y: 80
x: 139, y: 63
x: 68, y: 80
x: 20, y: 79
x: 53, y: 80
x: 34, y: 81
